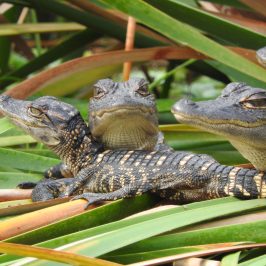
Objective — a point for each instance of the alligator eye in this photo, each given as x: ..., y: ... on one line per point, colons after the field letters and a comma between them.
x: 143, y: 90
x: 35, y: 111
x: 98, y: 92
x: 256, y: 101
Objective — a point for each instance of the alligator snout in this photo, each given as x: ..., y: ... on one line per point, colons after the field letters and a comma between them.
x: 181, y: 104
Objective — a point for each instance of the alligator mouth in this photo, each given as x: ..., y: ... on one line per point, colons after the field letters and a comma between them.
x: 123, y: 120
x: 208, y: 122
x: 124, y: 109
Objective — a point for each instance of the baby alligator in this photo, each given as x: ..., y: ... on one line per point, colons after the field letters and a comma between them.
x: 123, y: 116
x: 239, y: 115
x: 109, y: 175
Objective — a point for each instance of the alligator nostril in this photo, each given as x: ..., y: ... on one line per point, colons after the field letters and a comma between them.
x: 188, y: 102
x: 182, y: 104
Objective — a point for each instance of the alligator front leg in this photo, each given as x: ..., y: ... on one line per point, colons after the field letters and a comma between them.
x: 52, y: 189
x: 55, y: 172
x: 64, y: 187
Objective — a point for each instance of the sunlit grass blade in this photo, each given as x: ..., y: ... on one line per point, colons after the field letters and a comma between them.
x: 15, y: 140
x: 231, y: 259
x: 131, y: 234
x: 253, y: 232
x: 52, y: 255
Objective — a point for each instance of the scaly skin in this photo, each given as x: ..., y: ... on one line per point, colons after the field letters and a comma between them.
x: 239, y: 115
x: 123, y: 116
x: 109, y: 175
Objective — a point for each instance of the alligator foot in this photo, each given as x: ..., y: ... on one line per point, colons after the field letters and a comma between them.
x: 91, y: 198
x: 124, y: 192
x: 51, y: 189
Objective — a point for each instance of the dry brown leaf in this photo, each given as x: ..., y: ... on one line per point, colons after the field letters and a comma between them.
x: 15, y: 207
x: 53, y: 255
x: 21, y: 224
x: 258, y: 5
x: 36, y: 83
x: 14, y: 194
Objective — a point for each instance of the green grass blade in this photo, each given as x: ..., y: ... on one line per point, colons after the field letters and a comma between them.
x: 5, y: 125
x: 133, y: 220
x: 231, y: 259
x: 16, y: 140
x: 71, y: 234
x: 5, y: 48
x: 116, y: 239
x: 26, y: 28
x: 98, y: 23
x: 12, y: 179
x: 235, y: 75
x: 64, y: 48
x: 252, y: 232
x: 101, y: 215
x: 25, y: 161
x: 259, y: 261
x: 214, y: 25
x: 180, y: 32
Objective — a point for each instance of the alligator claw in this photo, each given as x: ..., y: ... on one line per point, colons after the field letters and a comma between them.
x: 91, y: 198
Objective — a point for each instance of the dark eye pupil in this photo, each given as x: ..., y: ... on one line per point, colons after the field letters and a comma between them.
x: 143, y: 90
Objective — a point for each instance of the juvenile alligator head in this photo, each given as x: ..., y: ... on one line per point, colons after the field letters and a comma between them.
x: 239, y: 114
x: 56, y: 124
x: 123, y: 115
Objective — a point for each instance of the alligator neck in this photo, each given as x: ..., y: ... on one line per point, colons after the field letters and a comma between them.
x: 256, y: 155
x: 76, y: 149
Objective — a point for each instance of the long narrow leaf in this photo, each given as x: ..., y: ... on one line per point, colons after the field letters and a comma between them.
x: 64, y: 48
x: 218, y: 27
x: 25, y: 161
x: 253, y: 232
x: 183, y: 33
x: 43, y: 253
x: 197, y: 254
x: 76, y: 73
x: 15, y: 29
x: 131, y: 234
